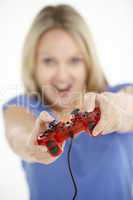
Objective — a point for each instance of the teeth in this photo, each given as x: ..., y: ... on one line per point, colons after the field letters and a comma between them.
x: 63, y: 89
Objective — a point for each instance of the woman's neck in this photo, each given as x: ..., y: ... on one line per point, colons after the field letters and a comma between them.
x: 63, y: 113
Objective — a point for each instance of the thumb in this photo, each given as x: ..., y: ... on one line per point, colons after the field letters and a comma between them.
x: 99, y: 128
x: 42, y: 121
x: 41, y: 125
x: 89, y: 101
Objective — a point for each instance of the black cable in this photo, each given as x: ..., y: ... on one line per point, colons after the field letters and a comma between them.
x: 69, y: 165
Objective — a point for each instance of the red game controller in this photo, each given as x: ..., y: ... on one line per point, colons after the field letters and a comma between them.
x: 58, y: 132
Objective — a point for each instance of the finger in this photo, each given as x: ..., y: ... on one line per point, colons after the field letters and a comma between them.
x: 37, y: 149
x: 109, y: 128
x: 40, y: 126
x: 100, y: 127
x: 41, y: 153
x: 42, y: 120
x: 89, y: 101
x: 47, y: 160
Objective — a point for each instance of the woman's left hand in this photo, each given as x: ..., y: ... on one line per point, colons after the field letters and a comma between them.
x: 116, y: 111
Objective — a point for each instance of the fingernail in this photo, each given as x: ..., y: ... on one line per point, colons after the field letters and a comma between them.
x: 94, y: 134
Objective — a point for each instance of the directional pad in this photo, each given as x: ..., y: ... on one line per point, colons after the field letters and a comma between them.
x: 75, y: 111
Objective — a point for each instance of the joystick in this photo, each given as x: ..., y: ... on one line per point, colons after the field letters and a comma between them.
x: 58, y: 132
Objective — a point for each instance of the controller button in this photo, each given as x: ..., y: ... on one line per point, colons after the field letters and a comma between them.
x: 54, y: 150
x: 75, y: 111
x: 91, y: 125
x: 50, y: 143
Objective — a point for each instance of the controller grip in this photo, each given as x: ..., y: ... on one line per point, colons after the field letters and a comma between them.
x: 54, y: 148
x: 54, y: 137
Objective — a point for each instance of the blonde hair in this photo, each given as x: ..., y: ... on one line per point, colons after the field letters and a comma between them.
x: 67, y: 18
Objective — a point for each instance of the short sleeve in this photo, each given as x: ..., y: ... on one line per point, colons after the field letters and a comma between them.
x: 118, y: 87
x: 29, y: 102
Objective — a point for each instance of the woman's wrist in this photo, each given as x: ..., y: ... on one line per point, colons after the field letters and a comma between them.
x: 126, y: 124
x: 126, y: 116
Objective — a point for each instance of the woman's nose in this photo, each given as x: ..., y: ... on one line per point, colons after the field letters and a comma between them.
x: 62, y: 73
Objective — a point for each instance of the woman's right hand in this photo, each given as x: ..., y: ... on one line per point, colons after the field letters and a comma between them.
x: 39, y: 153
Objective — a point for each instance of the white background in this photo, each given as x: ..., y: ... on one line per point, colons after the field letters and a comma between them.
x: 111, y: 24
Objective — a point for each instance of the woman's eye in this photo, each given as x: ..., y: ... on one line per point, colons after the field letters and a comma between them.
x: 48, y: 61
x: 75, y: 60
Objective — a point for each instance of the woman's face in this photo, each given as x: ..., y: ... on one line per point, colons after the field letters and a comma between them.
x: 60, y: 70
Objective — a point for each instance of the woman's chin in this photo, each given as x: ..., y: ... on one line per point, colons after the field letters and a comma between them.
x: 64, y: 103
x: 64, y: 100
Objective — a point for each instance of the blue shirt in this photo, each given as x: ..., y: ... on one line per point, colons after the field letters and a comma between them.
x: 102, y: 165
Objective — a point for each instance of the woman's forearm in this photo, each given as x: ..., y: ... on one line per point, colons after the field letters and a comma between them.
x: 18, y: 142
x: 128, y: 124
x: 131, y: 124
x: 129, y: 106
x: 116, y: 112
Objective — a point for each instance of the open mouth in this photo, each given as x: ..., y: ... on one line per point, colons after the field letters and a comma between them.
x: 63, y: 91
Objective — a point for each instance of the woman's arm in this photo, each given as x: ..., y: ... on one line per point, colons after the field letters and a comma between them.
x: 116, y: 111
x: 129, y: 91
x: 18, y: 126
x: 21, y: 129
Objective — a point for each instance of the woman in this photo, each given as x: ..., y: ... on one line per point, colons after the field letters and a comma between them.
x: 61, y: 72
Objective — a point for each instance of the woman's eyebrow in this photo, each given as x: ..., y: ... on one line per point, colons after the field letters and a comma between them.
x: 45, y: 53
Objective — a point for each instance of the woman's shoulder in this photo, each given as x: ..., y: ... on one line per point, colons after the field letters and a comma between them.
x: 118, y: 87
x: 30, y: 103
x: 18, y: 100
